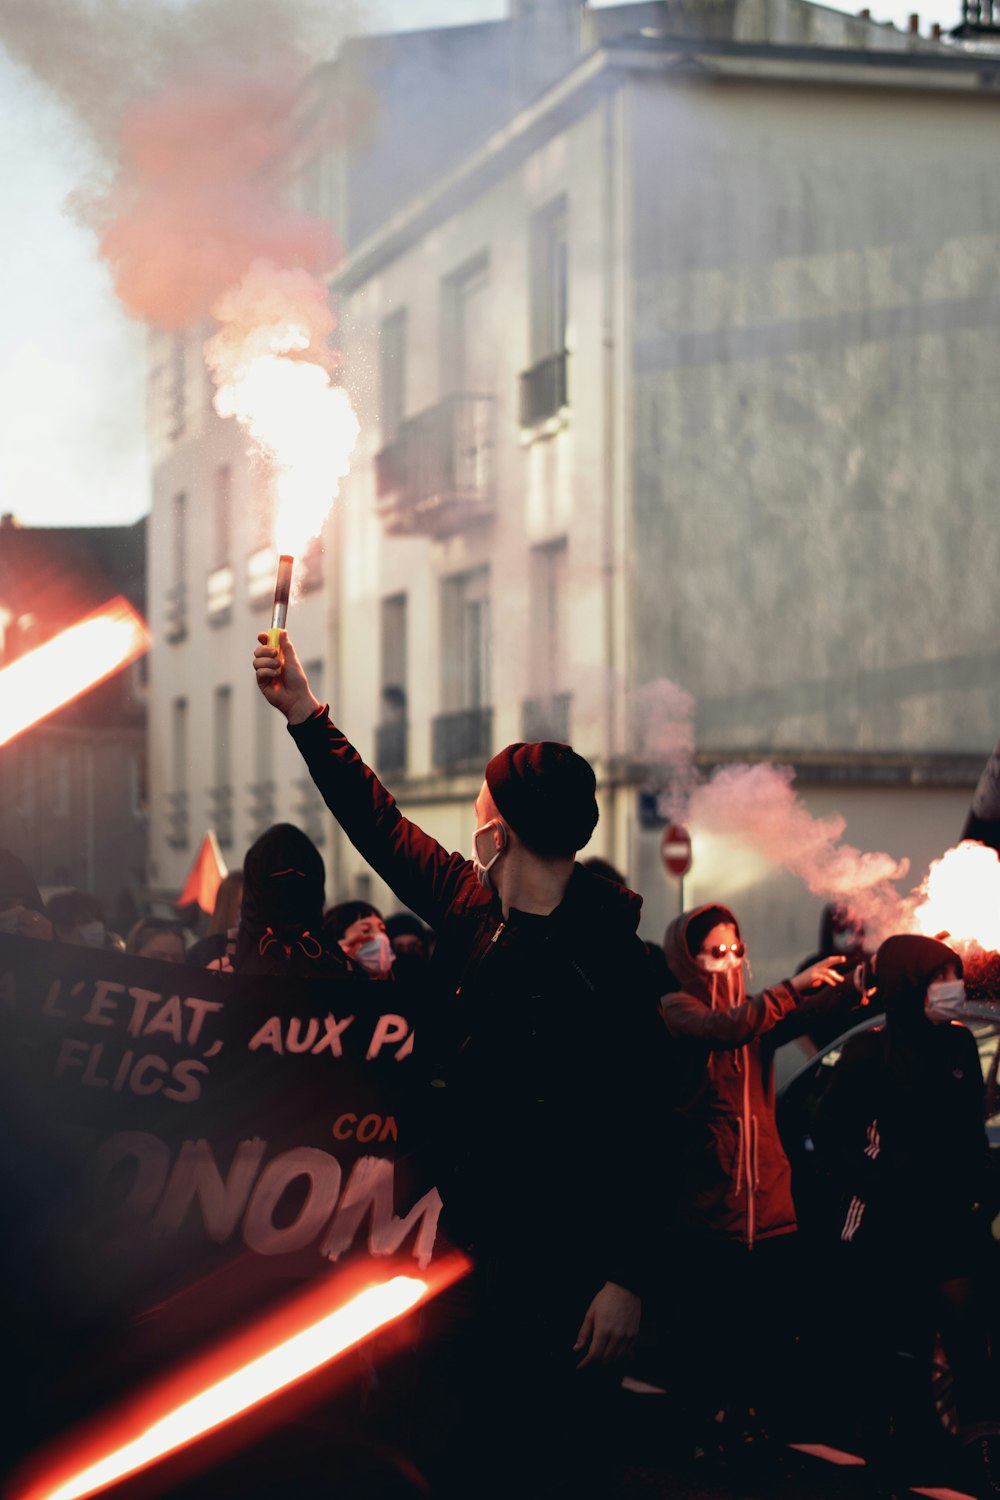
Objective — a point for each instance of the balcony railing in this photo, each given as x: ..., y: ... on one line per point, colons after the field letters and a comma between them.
x: 263, y: 806
x: 437, y: 476
x: 220, y: 808
x: 463, y: 738
x: 177, y: 820
x: 310, y: 810
x: 391, y: 746
x: 175, y: 620
x: 544, y: 390
x: 546, y: 718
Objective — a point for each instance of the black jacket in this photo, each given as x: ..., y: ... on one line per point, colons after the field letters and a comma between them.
x: 900, y: 1129
x: 546, y: 1045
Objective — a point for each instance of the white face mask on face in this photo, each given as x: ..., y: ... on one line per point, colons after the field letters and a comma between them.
x: 376, y: 956
x: 483, y: 870
x: 944, y: 999
x: 91, y: 934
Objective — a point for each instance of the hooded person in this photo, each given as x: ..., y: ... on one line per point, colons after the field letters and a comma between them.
x: 734, y: 1187
x: 542, y: 1049
x: 22, y: 911
x: 901, y: 1132
x: 281, y: 916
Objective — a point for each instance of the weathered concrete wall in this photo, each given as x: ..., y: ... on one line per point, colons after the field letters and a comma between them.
x: 816, y: 310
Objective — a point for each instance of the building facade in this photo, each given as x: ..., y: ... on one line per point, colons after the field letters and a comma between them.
x: 673, y: 371
x: 73, y: 788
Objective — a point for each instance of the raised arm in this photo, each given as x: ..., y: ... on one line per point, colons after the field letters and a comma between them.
x: 415, y: 866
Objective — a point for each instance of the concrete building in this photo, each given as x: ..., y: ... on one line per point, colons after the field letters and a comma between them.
x: 671, y: 364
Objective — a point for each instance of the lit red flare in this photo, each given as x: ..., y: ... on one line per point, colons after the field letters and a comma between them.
x: 215, y: 1392
x: 50, y: 676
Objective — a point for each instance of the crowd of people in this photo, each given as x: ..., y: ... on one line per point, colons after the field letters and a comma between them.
x: 606, y: 1139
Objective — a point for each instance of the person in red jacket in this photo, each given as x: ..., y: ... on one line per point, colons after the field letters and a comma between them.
x: 548, y: 1040
x: 735, y: 1218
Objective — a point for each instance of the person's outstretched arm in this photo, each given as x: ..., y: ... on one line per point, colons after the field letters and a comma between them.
x: 725, y: 1030
x: 416, y: 867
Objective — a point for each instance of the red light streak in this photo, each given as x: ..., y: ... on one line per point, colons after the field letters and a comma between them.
x: 165, y: 1425
x: 50, y: 676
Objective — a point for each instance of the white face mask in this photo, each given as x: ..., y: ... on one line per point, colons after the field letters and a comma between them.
x: 483, y: 870
x: 944, y: 999
x: 376, y: 956
x: 91, y: 934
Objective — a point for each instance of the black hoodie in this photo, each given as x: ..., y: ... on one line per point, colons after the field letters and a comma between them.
x: 901, y: 1127
x: 281, y: 918
x: 547, y: 1047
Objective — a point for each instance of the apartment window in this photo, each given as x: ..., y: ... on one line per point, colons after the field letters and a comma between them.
x: 177, y: 799
x: 179, y: 738
x: 262, y: 566
x: 549, y: 281
x: 222, y: 712
x: 179, y: 539
x: 548, y: 627
x: 394, y: 643
x: 223, y: 514
x: 262, y: 809
x: 461, y: 735
x: 392, y: 374
x: 138, y: 791
x: 391, y: 732
x: 466, y: 653
x: 544, y: 385
x: 546, y: 712
x: 263, y: 740
x: 467, y: 349
x: 221, y: 795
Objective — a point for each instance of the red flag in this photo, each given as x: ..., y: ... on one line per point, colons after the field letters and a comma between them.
x: 205, y: 875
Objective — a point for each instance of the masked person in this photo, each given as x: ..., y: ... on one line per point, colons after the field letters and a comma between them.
x: 735, y: 1218
x: 281, y: 915
x: 901, y: 1131
x: 359, y: 929
x: 78, y: 918
x: 544, y: 1051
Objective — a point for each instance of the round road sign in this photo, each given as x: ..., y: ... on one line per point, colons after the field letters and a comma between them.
x: 675, y: 850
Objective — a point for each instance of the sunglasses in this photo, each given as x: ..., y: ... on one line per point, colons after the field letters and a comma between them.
x: 719, y: 950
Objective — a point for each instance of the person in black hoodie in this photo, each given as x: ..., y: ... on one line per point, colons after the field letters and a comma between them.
x: 901, y: 1132
x: 281, y: 917
x: 546, y: 1054
x: 735, y: 1219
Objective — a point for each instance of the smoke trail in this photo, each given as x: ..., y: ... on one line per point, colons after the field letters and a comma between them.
x: 192, y: 107
x: 758, y: 807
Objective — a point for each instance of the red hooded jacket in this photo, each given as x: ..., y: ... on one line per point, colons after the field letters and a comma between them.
x: 734, y: 1178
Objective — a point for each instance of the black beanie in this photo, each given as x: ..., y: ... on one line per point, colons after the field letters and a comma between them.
x: 547, y: 793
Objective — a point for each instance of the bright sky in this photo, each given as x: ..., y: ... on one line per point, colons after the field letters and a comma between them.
x: 72, y: 367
